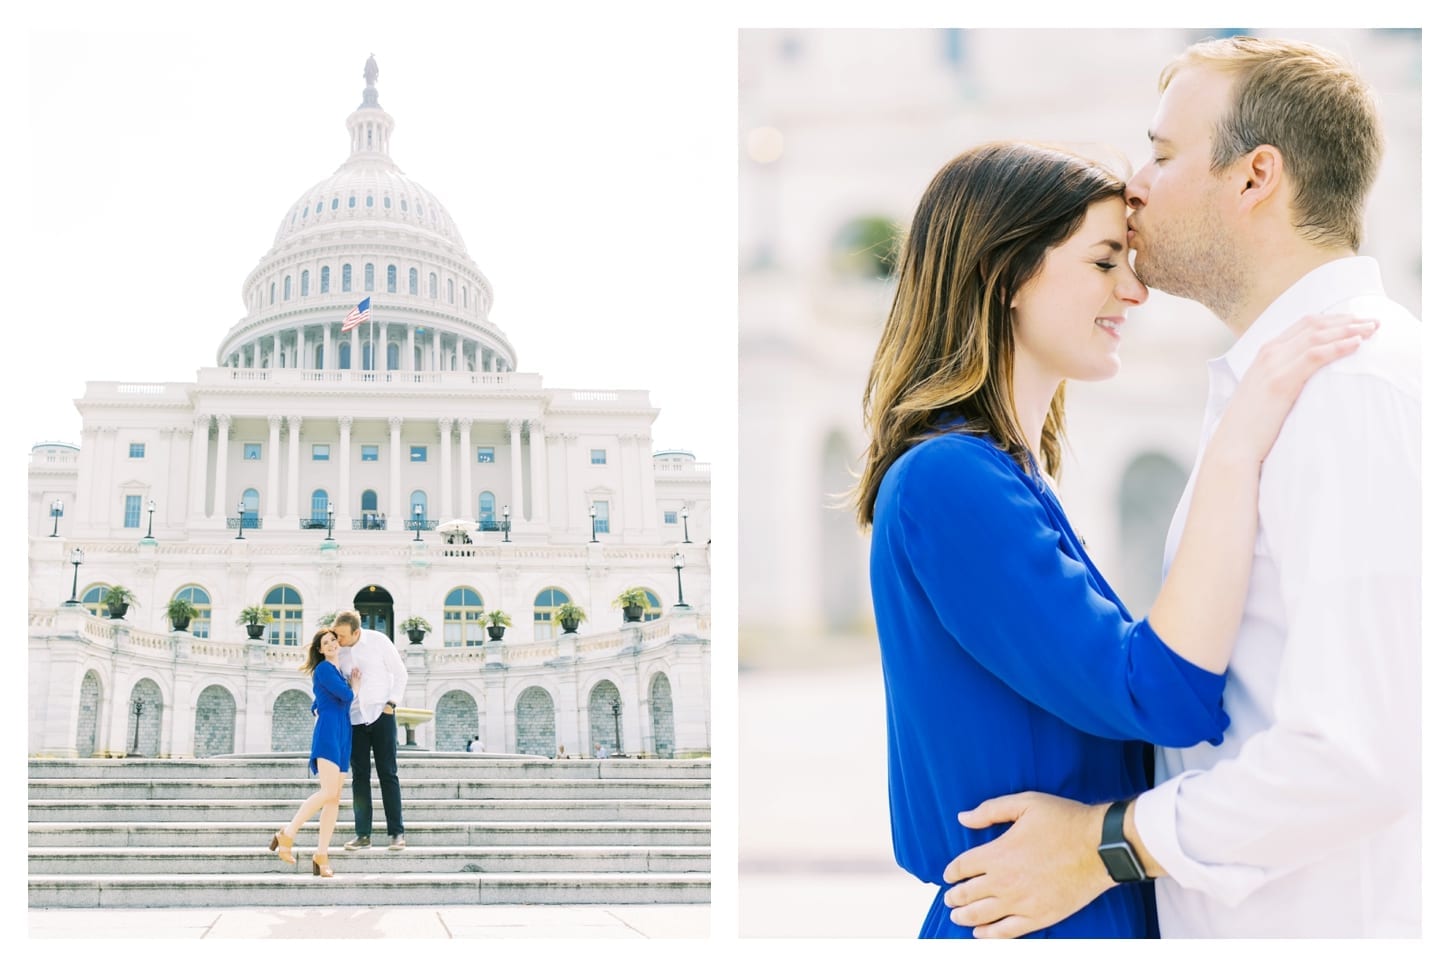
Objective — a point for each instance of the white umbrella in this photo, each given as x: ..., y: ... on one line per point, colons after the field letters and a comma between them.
x: 459, y: 526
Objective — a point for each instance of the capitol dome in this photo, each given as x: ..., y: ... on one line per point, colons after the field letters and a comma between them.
x: 367, y: 231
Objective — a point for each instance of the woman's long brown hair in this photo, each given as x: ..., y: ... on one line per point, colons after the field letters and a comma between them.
x: 978, y: 235
x: 314, y: 650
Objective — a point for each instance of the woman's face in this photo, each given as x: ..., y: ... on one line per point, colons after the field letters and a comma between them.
x: 329, y: 646
x: 1069, y: 319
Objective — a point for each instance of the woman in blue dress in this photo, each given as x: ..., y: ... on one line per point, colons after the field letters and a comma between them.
x: 1008, y: 661
x: 331, y: 749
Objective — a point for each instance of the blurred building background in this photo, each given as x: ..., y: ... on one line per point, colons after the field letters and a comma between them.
x: 840, y: 131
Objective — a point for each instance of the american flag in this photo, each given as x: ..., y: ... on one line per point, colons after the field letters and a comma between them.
x: 358, y: 316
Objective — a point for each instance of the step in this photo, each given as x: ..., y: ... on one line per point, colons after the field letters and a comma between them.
x: 436, y: 766
x: 100, y: 862
x: 349, y: 888
x: 297, y: 788
x: 148, y: 835
x: 420, y: 810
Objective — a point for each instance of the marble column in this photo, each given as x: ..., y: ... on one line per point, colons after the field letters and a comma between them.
x: 343, y: 504
x: 538, y: 488
x: 196, y: 486
x: 516, y: 463
x: 408, y: 364
x: 327, y: 345
x: 395, y: 470
x: 465, y: 465
x: 219, y: 495
x: 274, y: 467
x: 300, y: 339
x: 478, y: 357
x: 354, y: 360
x: 445, y: 470
x: 294, y: 444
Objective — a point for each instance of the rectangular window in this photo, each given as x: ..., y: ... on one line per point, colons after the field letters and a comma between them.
x: 133, y: 510
x: 321, y: 451
x: 418, y: 454
x: 596, y: 457
x: 251, y: 451
x: 672, y: 517
x: 138, y: 450
x: 370, y: 453
x: 485, y: 454
x: 601, y: 517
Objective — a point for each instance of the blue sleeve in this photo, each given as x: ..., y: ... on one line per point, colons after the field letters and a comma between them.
x: 997, y: 571
x: 327, y: 680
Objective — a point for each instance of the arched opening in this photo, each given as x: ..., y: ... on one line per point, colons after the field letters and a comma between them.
x: 455, y: 722
x: 462, y: 613
x: 1147, y: 498
x: 251, y: 508
x: 292, y: 722
x: 216, y: 722
x: 374, y: 606
x: 546, y: 602
x: 662, y: 716
x: 88, y: 715
x: 144, y: 721
x: 534, y: 732
x: 606, y: 720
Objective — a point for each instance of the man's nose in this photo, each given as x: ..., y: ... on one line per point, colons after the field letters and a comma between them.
x: 1137, y: 190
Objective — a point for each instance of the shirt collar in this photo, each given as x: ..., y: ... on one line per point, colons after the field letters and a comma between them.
x: 1317, y: 291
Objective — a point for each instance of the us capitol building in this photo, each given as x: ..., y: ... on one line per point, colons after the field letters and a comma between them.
x: 402, y: 467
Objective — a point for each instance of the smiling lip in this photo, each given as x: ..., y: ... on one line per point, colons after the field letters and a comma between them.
x: 1111, y: 325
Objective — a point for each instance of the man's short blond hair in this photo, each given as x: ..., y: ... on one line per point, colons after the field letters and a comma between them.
x: 350, y: 618
x: 1310, y: 103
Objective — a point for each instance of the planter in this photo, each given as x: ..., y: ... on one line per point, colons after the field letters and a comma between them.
x: 415, y: 635
x: 254, y: 632
x: 569, y: 625
x: 118, y: 611
x: 180, y: 624
x: 633, y: 612
x: 495, y: 632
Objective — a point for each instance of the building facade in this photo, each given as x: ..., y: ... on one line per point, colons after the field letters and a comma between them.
x: 384, y: 455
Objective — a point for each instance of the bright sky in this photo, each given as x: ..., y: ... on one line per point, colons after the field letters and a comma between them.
x: 589, y: 168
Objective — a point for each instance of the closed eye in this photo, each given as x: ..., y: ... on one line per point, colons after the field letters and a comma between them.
x: 1106, y: 266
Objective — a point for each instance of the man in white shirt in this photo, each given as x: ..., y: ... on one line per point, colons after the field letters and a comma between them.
x: 1305, y: 822
x: 374, y: 729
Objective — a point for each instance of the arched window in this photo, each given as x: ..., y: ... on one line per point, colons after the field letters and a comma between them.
x: 462, y: 611
x: 392, y: 278
x: 546, y: 602
x: 418, y: 506
x: 347, y: 277
x: 318, y: 355
x: 272, y: 299
x: 324, y: 281
x: 387, y: 201
x: 412, y: 282
x: 306, y: 282
x: 318, y: 209
x: 392, y: 355
x: 344, y: 356
x: 653, y: 609
x: 92, y: 601
x: 286, y: 606
x: 485, y: 507
x: 432, y: 285
x: 286, y: 288
x: 200, y: 625
x: 319, y: 508
x: 367, y: 355
x: 368, y: 277
x: 251, y: 505
x: 370, y: 510
x: 370, y: 197
x: 450, y: 291
x: 465, y: 297
x: 352, y: 201
x: 334, y: 204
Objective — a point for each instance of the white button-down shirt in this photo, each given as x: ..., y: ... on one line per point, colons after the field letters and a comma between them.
x: 383, y: 675
x: 1305, y: 822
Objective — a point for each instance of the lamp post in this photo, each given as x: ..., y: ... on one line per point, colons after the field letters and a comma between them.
x: 77, y: 558
x: 614, y: 707
x: 417, y: 522
x: 679, y: 560
x: 506, y: 523
x: 685, y: 516
x: 329, y: 520
x: 150, y: 513
x: 241, y: 506
x: 57, y: 511
x: 137, y: 707
x: 593, y: 525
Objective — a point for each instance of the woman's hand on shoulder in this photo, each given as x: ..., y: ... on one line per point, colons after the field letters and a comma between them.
x: 1272, y: 384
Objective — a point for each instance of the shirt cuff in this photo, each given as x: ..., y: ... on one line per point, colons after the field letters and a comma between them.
x: 1156, y: 817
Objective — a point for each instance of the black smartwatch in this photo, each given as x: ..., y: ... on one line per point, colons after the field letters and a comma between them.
x: 1117, y: 853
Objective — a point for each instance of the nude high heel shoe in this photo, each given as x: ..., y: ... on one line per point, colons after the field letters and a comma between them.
x: 320, y: 867
x: 282, y: 846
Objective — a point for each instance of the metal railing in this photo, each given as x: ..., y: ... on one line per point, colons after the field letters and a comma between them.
x: 248, y: 522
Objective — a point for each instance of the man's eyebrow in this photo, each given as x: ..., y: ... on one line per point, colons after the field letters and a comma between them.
x: 1158, y: 138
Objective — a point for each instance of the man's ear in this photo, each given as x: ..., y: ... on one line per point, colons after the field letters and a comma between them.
x: 1261, y: 174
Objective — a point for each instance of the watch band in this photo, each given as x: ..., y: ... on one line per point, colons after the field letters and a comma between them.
x: 1113, y: 822
x: 1117, y: 854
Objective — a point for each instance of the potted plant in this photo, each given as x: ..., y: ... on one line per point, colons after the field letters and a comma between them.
x: 633, y: 601
x: 568, y: 615
x: 118, y: 599
x: 180, y: 611
x: 327, y: 620
x: 416, y: 628
x: 256, y: 618
x: 496, y: 622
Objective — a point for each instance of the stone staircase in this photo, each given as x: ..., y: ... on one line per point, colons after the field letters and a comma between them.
x: 481, y: 829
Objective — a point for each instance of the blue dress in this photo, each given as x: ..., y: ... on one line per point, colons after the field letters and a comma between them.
x: 1010, y: 665
x: 332, y: 733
